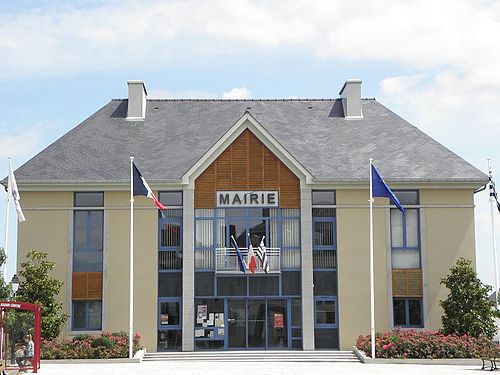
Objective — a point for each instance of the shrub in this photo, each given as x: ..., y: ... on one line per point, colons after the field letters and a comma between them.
x: 107, y: 345
x: 425, y: 344
x: 38, y: 286
x: 102, y: 341
x: 467, y: 309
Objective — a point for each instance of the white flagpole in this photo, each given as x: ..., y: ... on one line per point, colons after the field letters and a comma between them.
x: 372, y: 289
x: 493, y: 240
x: 7, y: 212
x: 131, y: 265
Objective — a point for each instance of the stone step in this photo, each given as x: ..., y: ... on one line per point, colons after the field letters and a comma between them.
x: 263, y: 356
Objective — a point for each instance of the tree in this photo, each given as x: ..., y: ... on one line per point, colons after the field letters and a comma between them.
x: 467, y: 310
x: 37, y: 286
x: 5, y: 289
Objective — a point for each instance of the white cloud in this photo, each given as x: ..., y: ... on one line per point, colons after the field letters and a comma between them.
x: 111, y: 34
x: 20, y: 144
x: 237, y: 93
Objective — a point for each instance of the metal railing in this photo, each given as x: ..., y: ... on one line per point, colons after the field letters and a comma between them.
x: 226, y: 260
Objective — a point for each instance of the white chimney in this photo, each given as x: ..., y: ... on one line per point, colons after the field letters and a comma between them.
x: 351, y: 99
x: 136, y: 100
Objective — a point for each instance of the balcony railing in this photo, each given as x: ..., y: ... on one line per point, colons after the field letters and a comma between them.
x: 226, y: 260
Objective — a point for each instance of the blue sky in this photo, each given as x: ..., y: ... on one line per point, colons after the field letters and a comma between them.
x: 433, y: 63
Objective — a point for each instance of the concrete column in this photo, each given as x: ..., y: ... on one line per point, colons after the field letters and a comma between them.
x: 188, y: 271
x: 307, y: 270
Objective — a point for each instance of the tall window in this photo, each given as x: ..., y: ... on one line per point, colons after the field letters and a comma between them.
x: 325, y: 268
x: 88, y: 234
x: 406, y: 258
x: 170, y: 271
x: 405, y: 232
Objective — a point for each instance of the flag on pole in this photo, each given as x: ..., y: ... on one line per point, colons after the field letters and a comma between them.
x: 141, y: 187
x: 241, y: 262
x: 493, y: 191
x: 13, y: 192
x: 262, y: 254
x: 380, y: 189
x: 251, y: 261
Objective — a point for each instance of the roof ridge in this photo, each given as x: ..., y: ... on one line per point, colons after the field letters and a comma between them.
x: 248, y: 100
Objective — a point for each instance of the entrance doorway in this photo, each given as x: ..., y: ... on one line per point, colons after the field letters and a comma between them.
x: 258, y: 323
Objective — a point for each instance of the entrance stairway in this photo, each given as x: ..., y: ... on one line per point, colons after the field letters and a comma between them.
x: 252, y: 356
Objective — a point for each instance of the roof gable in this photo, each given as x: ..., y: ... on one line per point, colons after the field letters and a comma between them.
x: 247, y: 121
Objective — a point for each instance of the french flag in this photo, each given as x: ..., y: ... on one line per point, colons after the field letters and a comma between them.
x: 141, y: 187
x: 252, y: 262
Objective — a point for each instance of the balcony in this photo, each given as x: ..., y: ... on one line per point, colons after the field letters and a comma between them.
x: 226, y: 260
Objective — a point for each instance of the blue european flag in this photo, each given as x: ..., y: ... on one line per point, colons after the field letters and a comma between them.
x: 380, y: 189
x: 241, y: 262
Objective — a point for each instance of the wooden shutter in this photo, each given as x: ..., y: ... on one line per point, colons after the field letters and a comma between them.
x: 407, y: 282
x: 86, y: 286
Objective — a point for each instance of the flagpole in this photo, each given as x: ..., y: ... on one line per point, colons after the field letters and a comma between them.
x: 493, y: 239
x: 372, y: 289
x: 7, y: 213
x: 131, y: 265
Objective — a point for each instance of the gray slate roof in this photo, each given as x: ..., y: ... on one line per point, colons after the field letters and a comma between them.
x: 176, y: 133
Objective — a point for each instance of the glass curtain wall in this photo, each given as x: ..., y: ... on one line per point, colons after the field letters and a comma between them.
x: 170, y: 272
x: 245, y: 311
x: 325, y: 269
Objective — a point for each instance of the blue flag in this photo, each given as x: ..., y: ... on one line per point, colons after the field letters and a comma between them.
x: 380, y: 189
x: 241, y: 262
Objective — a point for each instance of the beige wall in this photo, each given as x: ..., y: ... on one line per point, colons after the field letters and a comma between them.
x: 47, y: 229
x: 449, y: 234
x: 447, y: 224
x: 353, y: 266
x: 116, y: 278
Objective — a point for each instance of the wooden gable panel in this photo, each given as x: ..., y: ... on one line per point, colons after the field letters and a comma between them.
x: 239, y: 162
x: 255, y: 164
x: 247, y: 164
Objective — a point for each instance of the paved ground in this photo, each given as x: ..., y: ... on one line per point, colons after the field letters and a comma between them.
x: 246, y: 368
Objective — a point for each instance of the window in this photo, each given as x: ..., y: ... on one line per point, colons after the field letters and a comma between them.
x: 407, y: 312
x: 326, y: 323
x: 170, y: 313
x: 325, y: 312
x: 170, y: 284
x: 88, y: 199
x: 324, y: 231
x: 86, y: 316
x: 323, y: 197
x: 88, y: 228
x: 87, y: 241
x: 325, y: 283
x: 405, y: 232
x: 171, y: 198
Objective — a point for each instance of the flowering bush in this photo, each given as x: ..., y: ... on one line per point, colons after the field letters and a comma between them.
x: 425, y: 344
x: 107, y: 345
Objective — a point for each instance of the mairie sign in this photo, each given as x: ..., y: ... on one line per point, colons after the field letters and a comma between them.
x: 247, y: 199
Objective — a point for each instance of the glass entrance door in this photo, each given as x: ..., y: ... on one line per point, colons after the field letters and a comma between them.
x: 236, y: 321
x: 257, y: 323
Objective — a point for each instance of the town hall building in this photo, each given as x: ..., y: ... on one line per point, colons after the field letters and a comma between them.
x: 291, y: 175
